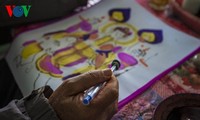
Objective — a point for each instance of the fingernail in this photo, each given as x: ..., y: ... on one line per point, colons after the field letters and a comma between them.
x: 107, y: 72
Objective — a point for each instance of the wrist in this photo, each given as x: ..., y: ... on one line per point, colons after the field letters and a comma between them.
x: 37, y: 105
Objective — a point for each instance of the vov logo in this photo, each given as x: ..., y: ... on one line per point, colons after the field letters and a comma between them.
x: 18, y: 11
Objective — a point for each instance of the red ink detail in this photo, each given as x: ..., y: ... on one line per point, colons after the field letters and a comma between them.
x: 143, y: 62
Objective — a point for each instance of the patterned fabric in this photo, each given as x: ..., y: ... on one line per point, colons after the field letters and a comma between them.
x: 184, y: 79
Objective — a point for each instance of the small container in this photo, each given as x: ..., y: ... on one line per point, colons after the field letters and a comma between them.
x: 158, y: 4
x: 189, y: 19
x: 192, y: 6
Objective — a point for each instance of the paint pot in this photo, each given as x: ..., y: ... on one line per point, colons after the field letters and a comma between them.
x: 191, y: 6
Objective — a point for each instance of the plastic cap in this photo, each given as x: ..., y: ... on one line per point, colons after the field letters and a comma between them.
x: 86, y: 100
x: 116, y: 63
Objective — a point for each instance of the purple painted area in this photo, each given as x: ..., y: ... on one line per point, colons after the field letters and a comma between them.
x: 122, y: 66
x: 76, y: 62
x: 115, y: 49
x: 46, y: 65
x: 158, y: 35
x: 94, y: 32
x: 29, y: 42
x: 158, y: 77
x: 130, y: 60
x: 72, y: 29
x: 61, y: 50
x: 86, y: 26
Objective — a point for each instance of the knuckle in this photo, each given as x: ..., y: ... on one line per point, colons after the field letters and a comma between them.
x: 114, y: 92
x: 93, y: 74
x: 115, y: 109
x: 69, y: 85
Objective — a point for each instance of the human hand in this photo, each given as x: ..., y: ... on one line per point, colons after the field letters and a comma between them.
x: 67, y: 99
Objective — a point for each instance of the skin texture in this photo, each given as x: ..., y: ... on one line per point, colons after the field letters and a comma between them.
x: 67, y: 99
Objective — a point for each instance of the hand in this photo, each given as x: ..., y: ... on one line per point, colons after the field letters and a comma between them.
x: 67, y: 99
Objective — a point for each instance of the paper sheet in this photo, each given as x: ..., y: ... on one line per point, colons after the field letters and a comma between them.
x: 123, y: 30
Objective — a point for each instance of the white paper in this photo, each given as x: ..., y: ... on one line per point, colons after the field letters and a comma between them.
x: 159, y: 57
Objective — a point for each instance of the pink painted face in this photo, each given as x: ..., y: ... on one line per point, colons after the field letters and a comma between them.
x: 45, y: 65
x: 126, y: 59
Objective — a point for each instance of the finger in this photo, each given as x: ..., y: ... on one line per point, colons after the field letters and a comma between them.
x: 85, y: 81
x: 111, y: 110
x: 108, y: 94
x: 108, y: 112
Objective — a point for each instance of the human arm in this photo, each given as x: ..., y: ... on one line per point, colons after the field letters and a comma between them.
x: 67, y: 99
x: 33, y: 107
